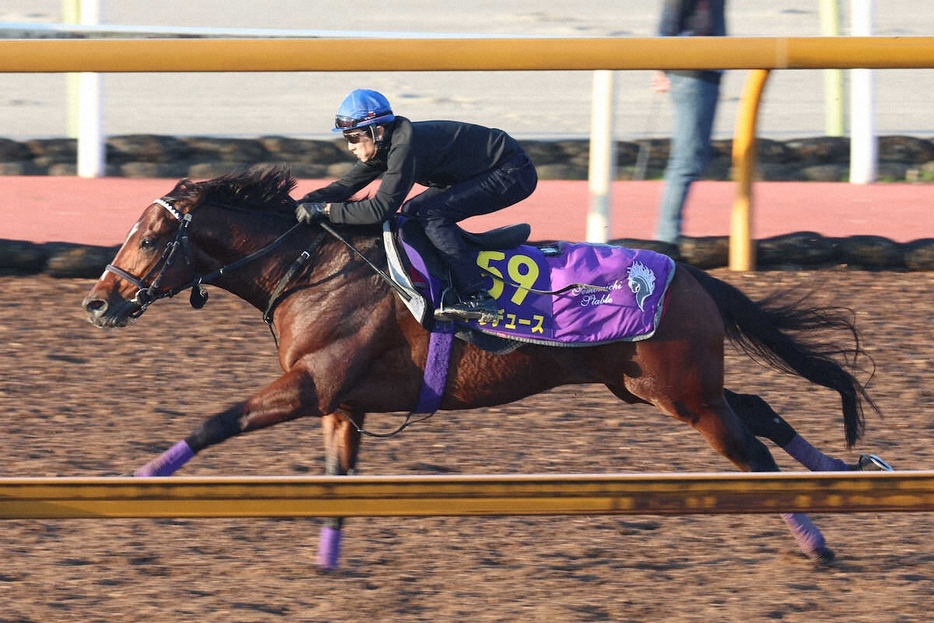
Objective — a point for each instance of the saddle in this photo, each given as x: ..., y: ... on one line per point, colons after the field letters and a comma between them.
x: 561, y: 294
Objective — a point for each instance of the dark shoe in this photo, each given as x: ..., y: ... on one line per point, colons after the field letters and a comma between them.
x: 480, y: 306
x: 871, y: 463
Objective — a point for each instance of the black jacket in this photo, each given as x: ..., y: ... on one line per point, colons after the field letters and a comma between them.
x: 694, y: 18
x: 429, y: 153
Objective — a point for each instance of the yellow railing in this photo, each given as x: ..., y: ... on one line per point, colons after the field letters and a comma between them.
x: 742, y: 249
x: 387, y: 496
x: 496, y: 54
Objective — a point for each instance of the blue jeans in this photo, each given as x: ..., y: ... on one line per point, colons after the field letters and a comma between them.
x: 440, y: 209
x: 695, y: 104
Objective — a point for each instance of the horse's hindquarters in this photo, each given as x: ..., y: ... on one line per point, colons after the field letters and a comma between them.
x: 683, y: 362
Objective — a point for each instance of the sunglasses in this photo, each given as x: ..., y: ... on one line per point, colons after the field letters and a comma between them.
x: 355, y: 137
x: 343, y: 122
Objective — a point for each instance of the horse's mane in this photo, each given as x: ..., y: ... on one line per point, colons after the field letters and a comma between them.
x: 257, y: 188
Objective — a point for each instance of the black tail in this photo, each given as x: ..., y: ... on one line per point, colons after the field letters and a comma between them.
x: 761, y: 329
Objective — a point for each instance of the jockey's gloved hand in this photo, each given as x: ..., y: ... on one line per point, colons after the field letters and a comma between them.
x: 311, y: 212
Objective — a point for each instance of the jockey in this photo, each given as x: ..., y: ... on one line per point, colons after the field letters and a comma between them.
x: 468, y: 170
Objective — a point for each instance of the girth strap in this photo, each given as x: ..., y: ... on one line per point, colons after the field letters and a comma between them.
x: 436, y: 369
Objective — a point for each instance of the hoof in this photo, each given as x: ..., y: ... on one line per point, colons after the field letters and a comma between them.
x: 870, y: 463
x: 822, y: 556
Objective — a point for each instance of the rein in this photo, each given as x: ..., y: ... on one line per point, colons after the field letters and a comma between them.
x: 382, y: 274
x: 147, y: 295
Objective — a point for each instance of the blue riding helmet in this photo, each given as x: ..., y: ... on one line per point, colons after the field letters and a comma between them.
x: 363, y: 107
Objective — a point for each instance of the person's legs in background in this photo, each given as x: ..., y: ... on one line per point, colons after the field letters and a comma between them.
x: 695, y: 105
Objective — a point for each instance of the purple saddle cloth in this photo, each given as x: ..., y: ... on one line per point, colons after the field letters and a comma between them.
x: 565, y: 294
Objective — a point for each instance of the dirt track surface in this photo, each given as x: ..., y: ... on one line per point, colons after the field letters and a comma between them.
x: 83, y: 402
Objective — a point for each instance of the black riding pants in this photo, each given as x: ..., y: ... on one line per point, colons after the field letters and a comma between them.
x: 439, y: 209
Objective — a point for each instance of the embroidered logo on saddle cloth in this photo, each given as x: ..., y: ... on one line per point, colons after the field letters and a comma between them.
x: 603, y: 293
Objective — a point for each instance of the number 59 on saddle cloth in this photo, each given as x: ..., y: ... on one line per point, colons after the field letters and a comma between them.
x: 563, y: 294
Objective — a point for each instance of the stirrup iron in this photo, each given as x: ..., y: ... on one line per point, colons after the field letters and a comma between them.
x: 871, y: 462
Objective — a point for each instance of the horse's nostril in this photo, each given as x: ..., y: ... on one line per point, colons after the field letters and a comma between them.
x: 95, y: 306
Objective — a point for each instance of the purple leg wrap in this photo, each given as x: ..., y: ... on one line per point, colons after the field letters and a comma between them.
x: 436, y: 371
x: 812, y: 458
x: 329, y: 548
x: 168, y: 462
x: 809, y: 538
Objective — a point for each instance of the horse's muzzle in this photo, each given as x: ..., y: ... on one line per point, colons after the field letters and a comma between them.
x: 104, y: 314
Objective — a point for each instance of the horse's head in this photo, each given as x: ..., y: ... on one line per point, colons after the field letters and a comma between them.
x: 154, y: 262
x: 159, y: 258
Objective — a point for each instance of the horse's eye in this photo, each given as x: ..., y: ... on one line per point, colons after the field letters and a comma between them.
x: 147, y: 243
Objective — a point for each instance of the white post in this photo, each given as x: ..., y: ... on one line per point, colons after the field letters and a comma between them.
x: 91, y: 142
x: 602, y: 166
x: 70, y: 16
x: 863, y: 167
x: 834, y: 101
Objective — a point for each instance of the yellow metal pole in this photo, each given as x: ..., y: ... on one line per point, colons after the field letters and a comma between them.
x: 197, y: 55
x: 410, y: 496
x: 742, y: 246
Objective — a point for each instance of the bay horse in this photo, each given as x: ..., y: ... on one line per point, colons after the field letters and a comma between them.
x: 348, y: 346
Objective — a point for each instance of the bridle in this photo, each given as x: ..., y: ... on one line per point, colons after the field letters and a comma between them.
x: 146, y: 295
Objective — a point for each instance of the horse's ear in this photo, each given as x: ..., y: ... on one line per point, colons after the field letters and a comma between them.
x: 181, y: 187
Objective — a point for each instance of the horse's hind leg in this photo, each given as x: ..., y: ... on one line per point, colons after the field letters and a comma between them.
x: 341, y: 448
x: 763, y: 421
x: 759, y: 416
x: 728, y: 433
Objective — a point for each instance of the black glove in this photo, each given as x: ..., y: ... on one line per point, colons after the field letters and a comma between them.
x: 311, y: 212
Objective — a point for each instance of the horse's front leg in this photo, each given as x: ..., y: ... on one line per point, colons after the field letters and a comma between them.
x: 280, y: 401
x: 342, y: 434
